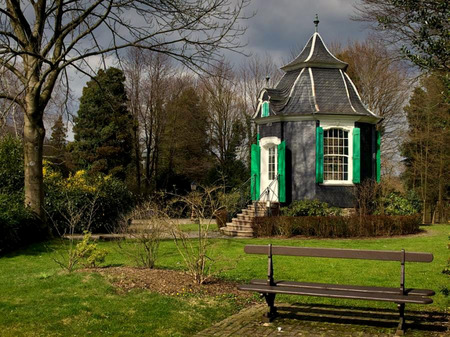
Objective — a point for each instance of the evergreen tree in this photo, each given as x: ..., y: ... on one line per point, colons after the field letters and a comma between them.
x: 59, y: 134
x: 103, y: 127
x: 56, y: 151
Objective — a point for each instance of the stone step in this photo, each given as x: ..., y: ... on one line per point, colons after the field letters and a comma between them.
x: 241, y: 234
x: 239, y: 228
x: 252, y: 213
x: 242, y: 223
x: 241, y: 216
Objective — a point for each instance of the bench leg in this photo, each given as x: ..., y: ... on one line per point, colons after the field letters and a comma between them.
x: 401, y: 324
x: 271, y: 314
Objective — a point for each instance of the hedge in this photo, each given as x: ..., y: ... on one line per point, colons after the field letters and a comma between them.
x: 337, y: 226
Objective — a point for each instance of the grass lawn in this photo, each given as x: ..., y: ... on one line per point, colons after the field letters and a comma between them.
x: 37, y: 299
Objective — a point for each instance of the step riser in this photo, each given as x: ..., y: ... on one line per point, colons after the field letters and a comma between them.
x: 239, y: 228
x: 236, y: 233
x: 241, y: 222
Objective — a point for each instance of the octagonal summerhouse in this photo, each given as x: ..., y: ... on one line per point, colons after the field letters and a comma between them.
x: 316, y: 139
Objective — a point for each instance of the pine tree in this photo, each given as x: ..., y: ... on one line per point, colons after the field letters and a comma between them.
x: 56, y: 151
x: 103, y: 127
x: 59, y: 135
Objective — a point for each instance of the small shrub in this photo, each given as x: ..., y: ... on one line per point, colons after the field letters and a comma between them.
x: 396, y: 204
x: 310, y: 208
x: 88, y: 252
x: 84, y: 252
x: 337, y: 226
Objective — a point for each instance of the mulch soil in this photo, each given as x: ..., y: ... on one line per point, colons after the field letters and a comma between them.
x: 167, y: 282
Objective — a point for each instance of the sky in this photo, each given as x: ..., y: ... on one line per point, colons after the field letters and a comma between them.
x: 280, y: 26
x: 277, y: 28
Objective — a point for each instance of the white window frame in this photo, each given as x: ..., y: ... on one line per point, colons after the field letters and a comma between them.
x: 345, y: 126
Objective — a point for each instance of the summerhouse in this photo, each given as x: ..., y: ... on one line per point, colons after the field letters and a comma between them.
x: 316, y: 139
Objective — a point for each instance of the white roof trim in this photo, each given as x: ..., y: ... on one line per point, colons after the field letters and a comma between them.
x: 313, y: 88
x: 346, y: 90
x: 313, y: 45
x: 357, y: 93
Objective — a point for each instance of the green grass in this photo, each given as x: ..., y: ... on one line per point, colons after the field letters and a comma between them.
x: 37, y: 299
x: 194, y: 227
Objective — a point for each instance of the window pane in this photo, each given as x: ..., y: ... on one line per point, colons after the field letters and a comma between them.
x: 335, y: 154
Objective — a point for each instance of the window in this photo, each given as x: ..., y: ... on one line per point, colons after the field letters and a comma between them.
x: 272, y: 160
x: 335, y: 146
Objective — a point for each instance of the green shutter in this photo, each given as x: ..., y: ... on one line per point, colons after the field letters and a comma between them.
x: 255, y: 169
x: 265, y: 109
x: 378, y: 156
x: 356, y: 156
x: 282, y: 172
x: 319, y: 154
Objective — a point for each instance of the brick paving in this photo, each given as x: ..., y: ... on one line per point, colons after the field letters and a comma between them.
x: 328, y: 321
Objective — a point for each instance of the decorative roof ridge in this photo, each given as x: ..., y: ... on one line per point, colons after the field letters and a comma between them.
x: 315, y: 62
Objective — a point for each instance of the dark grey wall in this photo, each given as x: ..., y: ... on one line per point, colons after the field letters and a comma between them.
x: 338, y: 196
x: 300, y: 140
x: 270, y: 130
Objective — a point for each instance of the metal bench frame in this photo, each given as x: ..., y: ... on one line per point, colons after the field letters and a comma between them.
x: 270, y: 287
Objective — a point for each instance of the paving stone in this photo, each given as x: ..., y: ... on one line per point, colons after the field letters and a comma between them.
x: 328, y: 321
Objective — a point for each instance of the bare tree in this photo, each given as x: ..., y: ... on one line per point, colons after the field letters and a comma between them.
x: 148, y: 80
x: 40, y: 39
x: 256, y: 73
x: 224, y: 108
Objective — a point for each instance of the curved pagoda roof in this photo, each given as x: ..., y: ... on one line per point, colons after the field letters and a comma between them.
x: 315, y: 83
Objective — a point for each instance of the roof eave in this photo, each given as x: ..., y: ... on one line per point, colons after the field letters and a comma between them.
x: 288, y: 67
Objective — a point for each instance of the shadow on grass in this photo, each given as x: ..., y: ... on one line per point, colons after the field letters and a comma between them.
x: 379, y: 318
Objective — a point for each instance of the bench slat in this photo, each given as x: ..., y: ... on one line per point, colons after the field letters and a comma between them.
x: 375, y: 296
x: 384, y: 255
x: 385, y: 290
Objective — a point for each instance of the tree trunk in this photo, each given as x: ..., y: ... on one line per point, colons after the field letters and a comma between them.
x: 34, y: 133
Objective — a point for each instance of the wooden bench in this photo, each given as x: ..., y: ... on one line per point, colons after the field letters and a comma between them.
x: 399, y: 295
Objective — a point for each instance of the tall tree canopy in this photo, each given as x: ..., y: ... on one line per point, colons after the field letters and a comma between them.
x: 103, y: 127
x: 427, y: 147
x: 421, y: 28
x: 40, y: 39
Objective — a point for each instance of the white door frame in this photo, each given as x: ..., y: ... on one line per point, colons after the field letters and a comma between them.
x: 266, y: 143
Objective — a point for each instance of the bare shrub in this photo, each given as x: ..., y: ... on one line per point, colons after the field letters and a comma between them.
x: 196, y: 252
x: 367, y: 195
x: 145, y: 235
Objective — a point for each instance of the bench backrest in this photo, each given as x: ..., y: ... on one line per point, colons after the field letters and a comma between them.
x: 385, y: 255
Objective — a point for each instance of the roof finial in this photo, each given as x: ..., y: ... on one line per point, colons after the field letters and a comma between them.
x: 316, y: 22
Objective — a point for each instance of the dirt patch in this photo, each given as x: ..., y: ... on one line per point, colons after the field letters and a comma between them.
x: 167, y: 282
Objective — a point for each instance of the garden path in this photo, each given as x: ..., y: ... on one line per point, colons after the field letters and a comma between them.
x: 328, y: 321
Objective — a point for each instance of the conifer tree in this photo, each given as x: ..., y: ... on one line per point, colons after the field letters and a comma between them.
x: 103, y: 127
